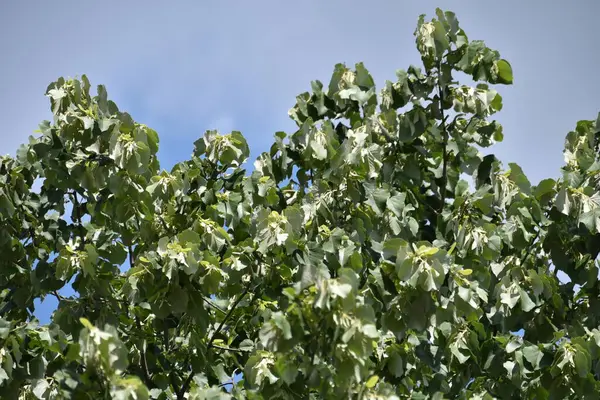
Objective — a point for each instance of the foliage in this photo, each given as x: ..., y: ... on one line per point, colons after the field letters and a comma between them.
x: 353, y: 262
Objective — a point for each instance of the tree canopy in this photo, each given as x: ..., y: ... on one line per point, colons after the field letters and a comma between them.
x: 374, y: 253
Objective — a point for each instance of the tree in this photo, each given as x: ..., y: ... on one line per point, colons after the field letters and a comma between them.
x: 353, y: 262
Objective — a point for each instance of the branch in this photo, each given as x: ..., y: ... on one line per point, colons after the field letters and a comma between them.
x: 208, y: 301
x: 213, y: 305
x: 58, y: 296
x: 530, y: 248
x: 164, y: 224
x: 364, y: 272
x: 385, y: 132
x: 32, y: 235
x: 216, y: 346
x: 131, y: 256
x: 232, y: 380
x: 235, y: 304
x: 188, y: 380
x: 173, y: 382
x: 364, y: 275
x: 144, y: 362
x: 78, y: 216
x: 10, y: 304
x: 445, y: 143
x: 166, y: 338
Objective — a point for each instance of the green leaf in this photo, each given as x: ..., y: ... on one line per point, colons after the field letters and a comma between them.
x: 394, y: 247
x: 583, y: 363
x: 335, y: 267
x: 91, y: 260
x: 526, y: 303
x: 591, y: 219
x: 426, y: 251
x: 395, y: 365
x: 286, y: 370
x: 396, y: 203
x: 504, y: 72
x: 40, y: 388
x: 545, y: 190
x: 462, y: 358
x: 533, y: 355
x: 372, y: 381
x: 282, y: 324
x: 4, y: 328
x: 3, y: 376
x: 86, y: 323
x: 563, y: 202
x: 246, y: 345
x: 517, y: 176
x: 6, y: 205
x: 371, y: 331
x: 512, y: 346
x: 319, y: 149
x: 341, y: 290
x: 462, y: 187
x: 178, y: 299
x: 189, y: 237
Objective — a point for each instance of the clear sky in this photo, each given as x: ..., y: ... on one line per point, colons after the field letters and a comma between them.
x: 186, y: 66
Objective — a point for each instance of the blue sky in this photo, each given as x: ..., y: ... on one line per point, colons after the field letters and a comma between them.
x: 187, y: 66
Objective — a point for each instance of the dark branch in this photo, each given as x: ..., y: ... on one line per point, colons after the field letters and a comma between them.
x: 77, y: 208
x: 530, y: 247
x: 213, y: 305
x: 227, y: 348
x: 58, y: 296
x: 188, y: 380
x: 144, y: 362
x: 445, y: 143
x: 147, y: 377
x: 131, y: 257
x: 235, y: 304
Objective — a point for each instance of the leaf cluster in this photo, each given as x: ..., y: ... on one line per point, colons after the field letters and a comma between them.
x: 354, y: 261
